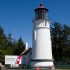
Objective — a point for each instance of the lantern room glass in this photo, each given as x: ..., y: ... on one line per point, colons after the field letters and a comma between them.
x: 40, y: 14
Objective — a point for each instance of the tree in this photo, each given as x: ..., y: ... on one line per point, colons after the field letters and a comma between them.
x: 8, y: 46
x: 66, y: 42
x: 60, y: 41
x: 2, y: 45
x: 56, y: 34
x: 1, y: 31
x: 20, y: 47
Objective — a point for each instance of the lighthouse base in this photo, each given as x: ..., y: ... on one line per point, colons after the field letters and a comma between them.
x: 41, y: 63
x: 41, y: 68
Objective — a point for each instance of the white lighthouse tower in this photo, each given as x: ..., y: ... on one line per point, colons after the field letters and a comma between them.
x: 41, y: 47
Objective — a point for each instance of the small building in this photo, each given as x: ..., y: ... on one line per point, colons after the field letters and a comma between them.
x: 26, y: 56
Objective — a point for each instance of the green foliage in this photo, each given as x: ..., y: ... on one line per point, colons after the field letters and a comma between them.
x: 20, y: 46
x: 60, y: 42
x: 2, y: 45
x: 1, y: 31
x: 8, y: 46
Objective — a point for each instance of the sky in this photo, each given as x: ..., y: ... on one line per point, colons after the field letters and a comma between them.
x: 16, y: 16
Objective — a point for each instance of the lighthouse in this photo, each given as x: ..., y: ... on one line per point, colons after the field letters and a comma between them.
x: 41, y: 40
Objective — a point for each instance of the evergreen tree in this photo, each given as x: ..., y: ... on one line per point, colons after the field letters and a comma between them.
x: 66, y: 42
x: 2, y: 45
x: 8, y: 46
x: 20, y: 47
x: 56, y: 33
x: 60, y: 42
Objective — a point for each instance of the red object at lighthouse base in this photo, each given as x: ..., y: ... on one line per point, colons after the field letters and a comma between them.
x: 37, y: 68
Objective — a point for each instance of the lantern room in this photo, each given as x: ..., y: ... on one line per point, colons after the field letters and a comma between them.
x: 41, y: 13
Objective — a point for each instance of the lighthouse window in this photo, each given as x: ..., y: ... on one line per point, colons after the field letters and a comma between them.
x: 43, y: 16
x: 40, y: 14
x: 36, y: 15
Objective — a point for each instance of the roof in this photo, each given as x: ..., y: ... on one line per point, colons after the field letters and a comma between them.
x: 41, y: 8
x: 25, y: 51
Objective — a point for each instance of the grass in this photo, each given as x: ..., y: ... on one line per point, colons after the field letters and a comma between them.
x: 62, y: 67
